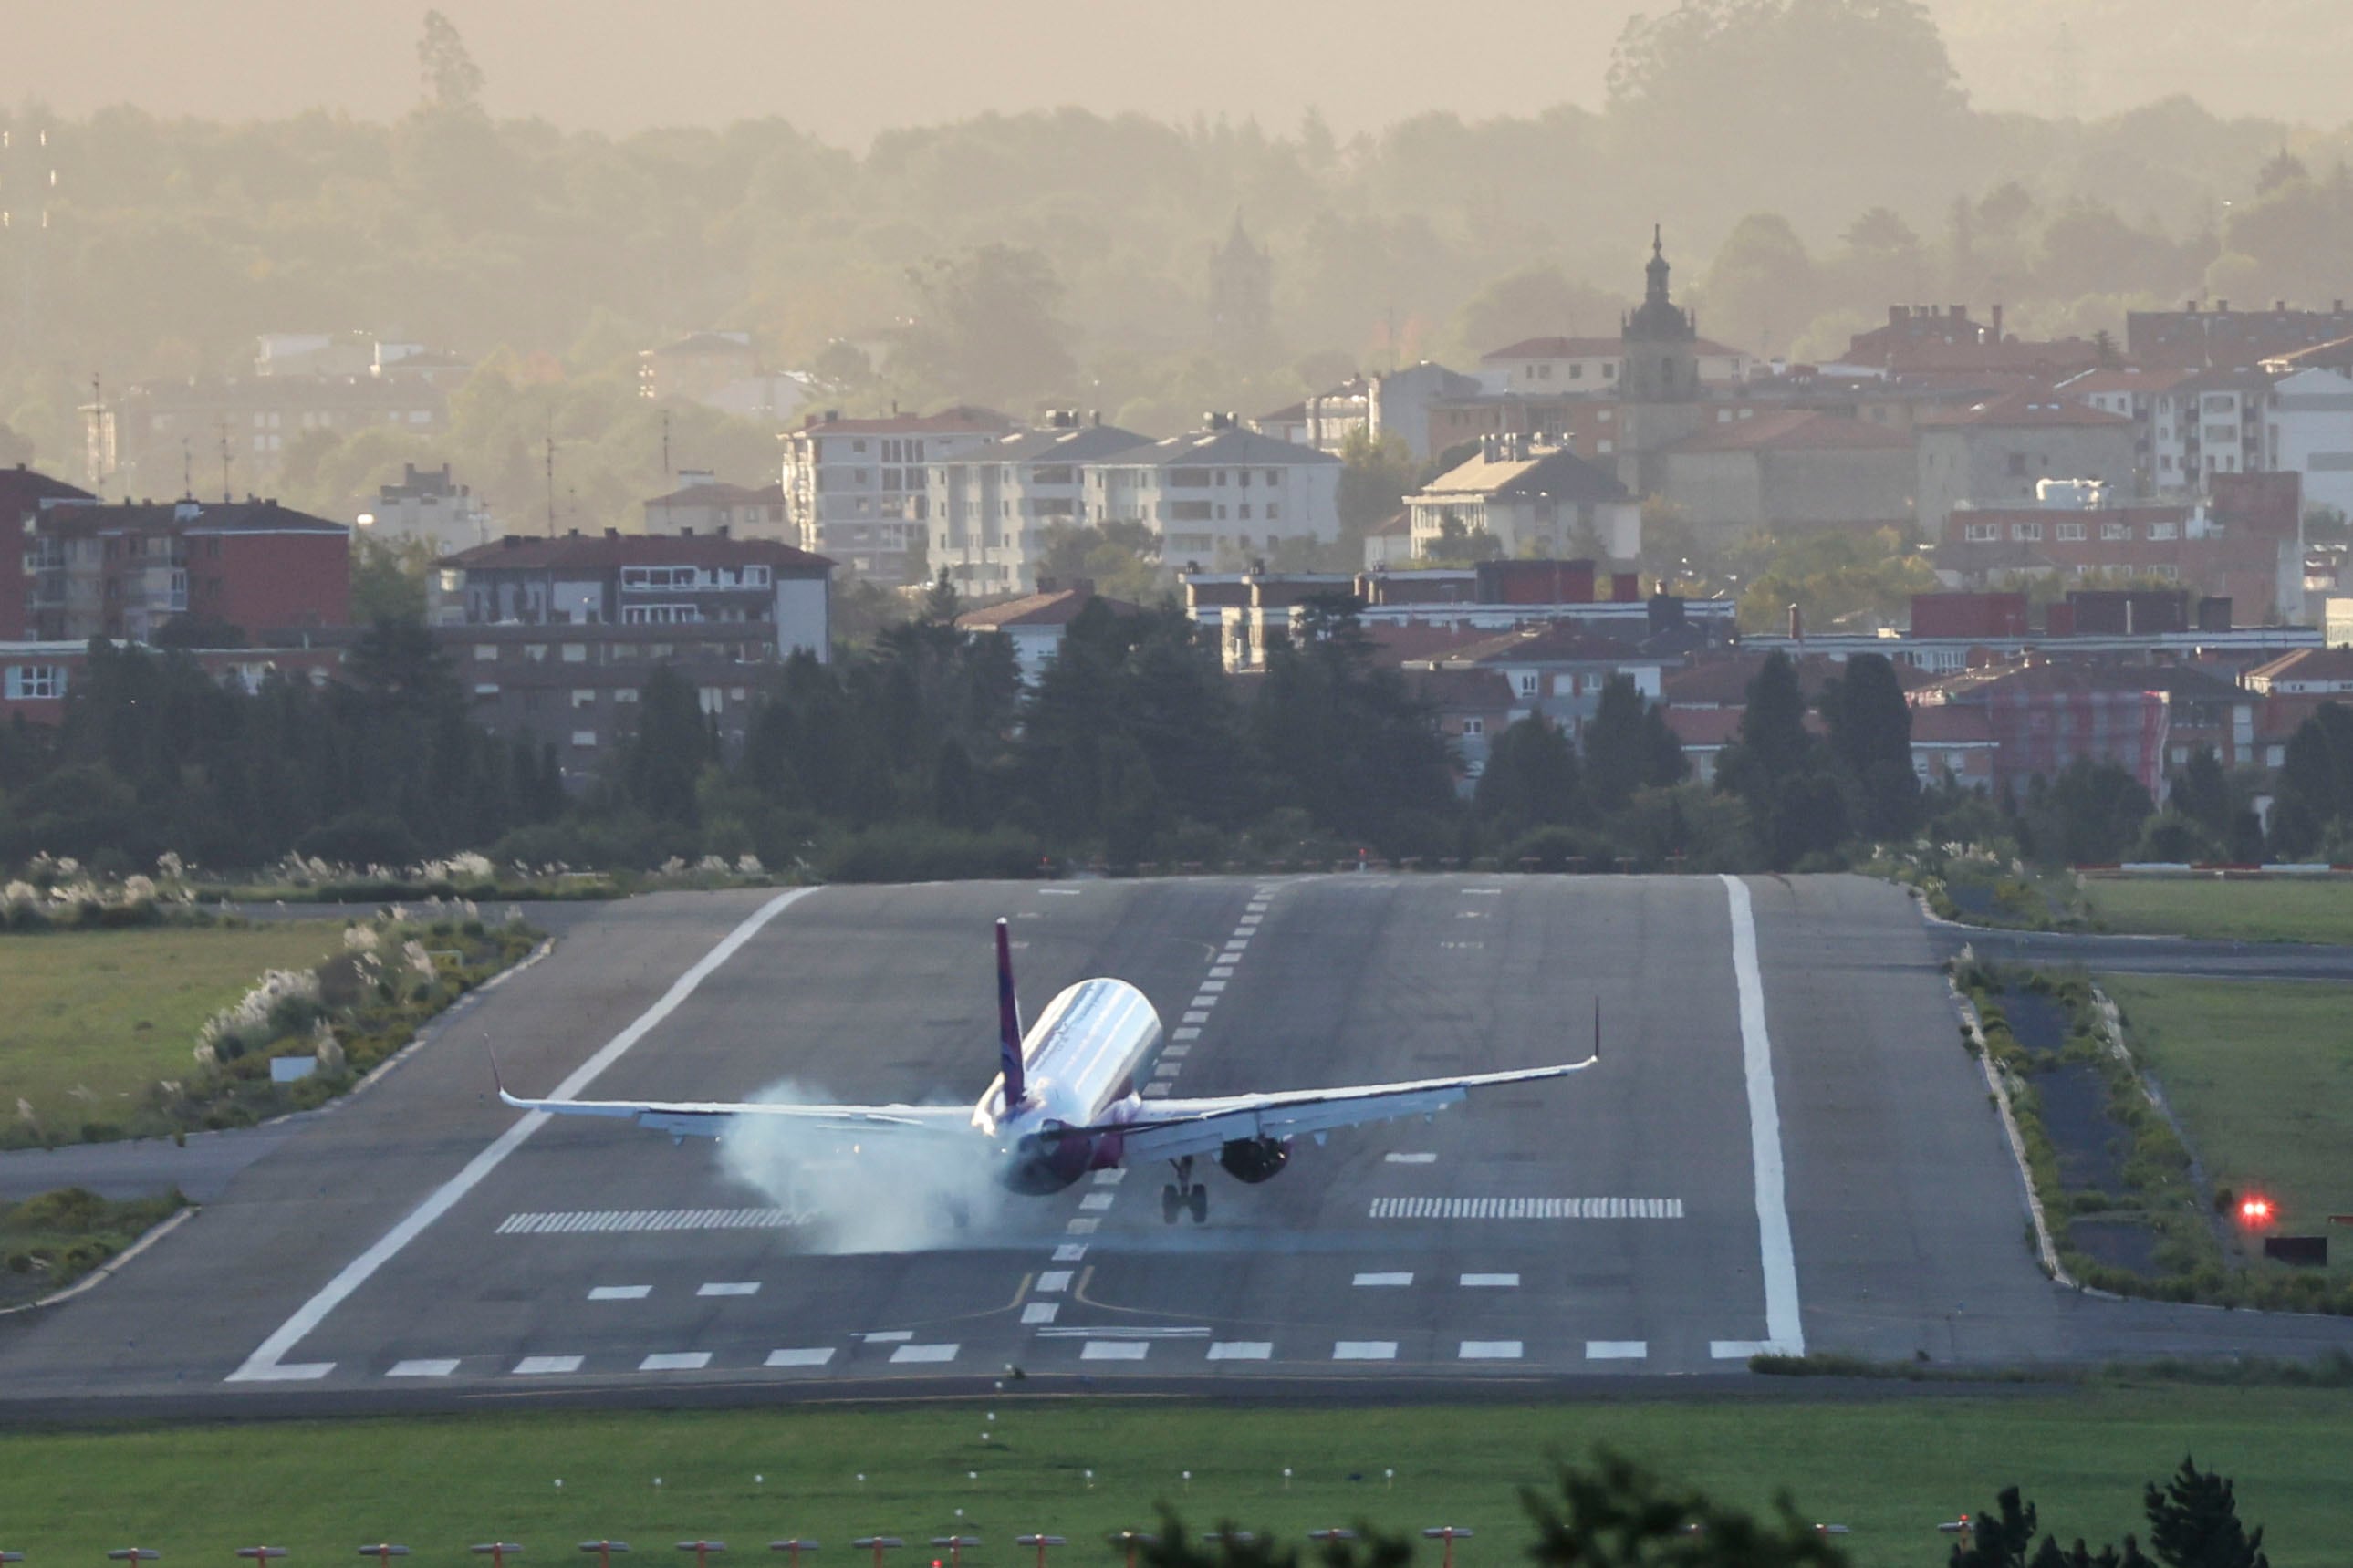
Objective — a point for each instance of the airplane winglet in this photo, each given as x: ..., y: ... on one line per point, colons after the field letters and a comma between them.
x: 499, y: 1078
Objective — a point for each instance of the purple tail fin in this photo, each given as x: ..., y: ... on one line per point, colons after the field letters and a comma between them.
x: 1008, y: 1020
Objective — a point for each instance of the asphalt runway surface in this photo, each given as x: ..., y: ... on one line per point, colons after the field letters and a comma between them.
x: 1784, y: 1147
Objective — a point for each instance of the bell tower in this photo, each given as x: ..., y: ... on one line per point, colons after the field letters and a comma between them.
x: 1658, y: 387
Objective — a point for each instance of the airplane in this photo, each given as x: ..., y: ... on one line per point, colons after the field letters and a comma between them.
x: 1064, y: 1101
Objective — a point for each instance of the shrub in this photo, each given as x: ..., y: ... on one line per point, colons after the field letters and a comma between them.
x: 919, y: 852
x: 361, y: 838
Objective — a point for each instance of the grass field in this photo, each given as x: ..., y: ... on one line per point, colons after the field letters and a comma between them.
x: 92, y: 1019
x: 2275, y: 909
x: 2261, y: 1075
x: 1887, y: 1468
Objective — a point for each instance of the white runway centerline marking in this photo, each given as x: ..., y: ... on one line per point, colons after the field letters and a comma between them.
x: 1526, y: 1208
x: 888, y: 1336
x: 924, y: 1353
x: 620, y: 1292
x: 1111, y: 1177
x: 1382, y: 1280
x: 1070, y: 1252
x: 1616, y: 1350
x: 1784, y: 1326
x: 1492, y: 1281
x: 1096, y: 1201
x: 676, y: 1360
x: 1084, y: 1226
x: 542, y: 1365
x: 1410, y: 1159
x: 1040, y: 1312
x: 440, y: 1368
x: 1053, y: 1281
x: 731, y: 1287
x: 263, y: 1364
x: 817, y: 1355
x: 1114, y: 1350
x: 1365, y: 1349
x: 1196, y: 1018
x: 1241, y: 1350
x: 1490, y: 1349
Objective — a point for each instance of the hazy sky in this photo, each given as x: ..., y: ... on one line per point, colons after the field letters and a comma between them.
x: 845, y: 69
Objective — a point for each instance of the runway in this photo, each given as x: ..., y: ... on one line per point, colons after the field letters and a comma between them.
x: 1784, y: 1147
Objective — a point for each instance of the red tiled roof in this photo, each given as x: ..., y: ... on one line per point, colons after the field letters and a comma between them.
x: 1723, y: 682
x: 1058, y: 608
x: 1558, y: 643
x: 2331, y: 664
x: 582, y: 552
x: 1403, y: 642
x: 1941, y: 724
x: 1794, y: 429
x: 2026, y: 410
x: 1461, y: 690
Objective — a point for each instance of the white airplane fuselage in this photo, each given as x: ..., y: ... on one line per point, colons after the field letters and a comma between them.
x: 1080, y: 1061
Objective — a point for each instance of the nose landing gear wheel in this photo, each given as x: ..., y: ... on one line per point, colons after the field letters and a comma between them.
x: 1198, y: 1200
x: 1170, y: 1202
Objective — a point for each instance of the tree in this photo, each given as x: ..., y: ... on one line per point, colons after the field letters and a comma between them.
x: 987, y: 327
x: 941, y: 605
x: 1628, y: 746
x: 1536, y: 301
x: 663, y: 761
x: 388, y: 578
x: 1870, y: 740
x: 453, y: 82
x: 1374, y: 478
x: 1530, y: 780
x: 2202, y: 792
x: 2193, y: 1522
x: 2090, y: 815
x: 1618, y: 1514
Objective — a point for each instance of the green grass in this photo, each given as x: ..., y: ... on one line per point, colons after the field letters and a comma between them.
x: 49, y: 1241
x: 2261, y: 1075
x: 1888, y: 1467
x: 2275, y: 909
x: 92, y: 1018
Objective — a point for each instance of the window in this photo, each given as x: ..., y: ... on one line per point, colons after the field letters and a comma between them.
x: 535, y: 651
x: 1983, y: 532
x: 1528, y: 684
x: 575, y: 653
x: 2115, y: 530
x: 1273, y: 511
x: 661, y: 616
x: 584, y: 696
x: 487, y: 689
x: 710, y: 699
x: 2027, y: 531
x: 625, y: 694
x: 2164, y: 530
x: 1576, y: 372
x: 33, y: 683
x: 1474, y: 726
x: 486, y: 652
x: 2071, y: 533
x: 584, y: 737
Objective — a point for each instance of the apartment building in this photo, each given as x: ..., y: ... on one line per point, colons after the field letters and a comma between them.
x: 703, y: 504
x: 991, y: 506
x: 129, y: 570
x: 768, y: 591
x: 1996, y: 452
x: 1226, y: 490
x: 170, y: 437
x: 429, y: 507
x: 858, y: 490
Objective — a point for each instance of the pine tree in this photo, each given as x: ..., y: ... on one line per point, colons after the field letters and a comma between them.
x: 1531, y: 779
x: 1871, y: 739
x: 2193, y: 1522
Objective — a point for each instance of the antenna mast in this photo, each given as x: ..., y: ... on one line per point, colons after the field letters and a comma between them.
x: 223, y: 457
x: 551, y: 480
x: 665, y: 414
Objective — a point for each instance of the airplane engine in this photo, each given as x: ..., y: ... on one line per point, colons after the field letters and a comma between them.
x: 1042, y: 1165
x: 1254, y: 1160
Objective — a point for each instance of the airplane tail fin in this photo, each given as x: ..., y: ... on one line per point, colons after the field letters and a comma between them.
x: 1008, y: 1020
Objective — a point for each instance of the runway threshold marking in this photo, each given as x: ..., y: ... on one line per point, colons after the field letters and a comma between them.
x: 813, y: 1356
x: 267, y: 1362
x: 1784, y: 1326
x: 1526, y: 1208
x: 611, y: 1222
x: 1616, y: 1350
x: 437, y: 1367
x: 620, y: 1292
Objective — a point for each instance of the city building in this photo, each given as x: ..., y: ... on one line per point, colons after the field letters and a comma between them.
x: 36, y: 676
x: 2211, y: 422
x: 2196, y: 339
x: 129, y: 570
x: 427, y: 507
x: 1998, y: 451
x: 760, y: 589
x: 1590, y: 367
x: 1036, y: 622
x: 2311, y: 434
x: 1529, y: 500
x: 856, y: 489
x: 1225, y: 492
x: 990, y: 505
x: 178, y: 437
x: 1928, y: 340
x: 703, y: 505
x: 1788, y: 470
x: 1398, y: 404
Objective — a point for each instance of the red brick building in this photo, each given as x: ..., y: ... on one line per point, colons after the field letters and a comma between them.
x: 92, y: 569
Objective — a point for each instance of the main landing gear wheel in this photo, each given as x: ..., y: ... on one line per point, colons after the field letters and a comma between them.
x: 1183, y: 1194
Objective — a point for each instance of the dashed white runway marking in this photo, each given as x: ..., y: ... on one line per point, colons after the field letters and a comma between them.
x: 1202, y: 1017
x: 1060, y: 892
x: 1616, y: 1350
x: 1490, y: 1349
x: 1111, y: 1177
x: 439, y: 1368
x: 1085, y: 1227
x: 1410, y: 1159
x: 1382, y: 1279
x: 1526, y: 1208
x: 1053, y: 1281
x: 1040, y: 1312
x: 1241, y: 1350
x: 607, y: 1222
x: 924, y: 1353
x: 1205, y: 1001
x: 816, y: 1355
x: 1365, y: 1349
x: 1179, y: 1053
x: 1070, y: 1252
x: 1156, y: 1089
x: 620, y: 1292
x: 1096, y: 1201
x: 676, y: 1360
x: 1739, y: 1349
x: 1184, y: 1034
x: 1211, y: 987
x: 1166, y: 1070
x: 1491, y: 1281
x: 1221, y: 972
x: 731, y: 1287
x: 1114, y: 1350
x: 1083, y: 1332
x: 542, y: 1365
x: 1251, y: 919
x: 266, y: 1363
x: 887, y: 1336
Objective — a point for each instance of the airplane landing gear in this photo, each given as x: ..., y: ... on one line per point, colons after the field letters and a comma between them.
x: 1183, y: 1194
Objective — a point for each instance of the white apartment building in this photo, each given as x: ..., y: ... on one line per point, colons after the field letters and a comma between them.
x: 1226, y: 490
x: 989, y: 506
x: 1555, y: 367
x: 2312, y: 434
x: 2214, y: 422
x: 856, y: 491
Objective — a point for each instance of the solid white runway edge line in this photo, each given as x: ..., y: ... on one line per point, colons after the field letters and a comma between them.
x: 262, y: 1365
x: 1785, y: 1331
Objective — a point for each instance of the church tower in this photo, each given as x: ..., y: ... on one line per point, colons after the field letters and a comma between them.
x: 1241, y: 297
x: 1658, y: 389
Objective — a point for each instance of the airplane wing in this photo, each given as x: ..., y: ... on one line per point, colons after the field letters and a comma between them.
x: 1172, y: 1129
x: 710, y: 1118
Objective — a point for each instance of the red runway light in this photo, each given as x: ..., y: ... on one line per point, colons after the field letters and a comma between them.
x: 2255, y: 1211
